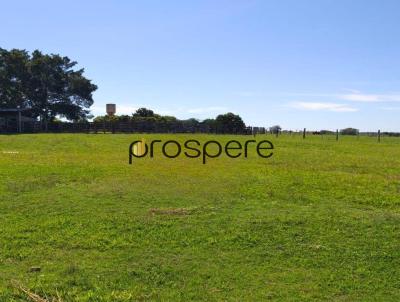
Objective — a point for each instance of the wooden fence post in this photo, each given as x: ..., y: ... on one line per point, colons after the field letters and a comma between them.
x: 304, y: 133
x: 379, y: 136
x: 337, y: 134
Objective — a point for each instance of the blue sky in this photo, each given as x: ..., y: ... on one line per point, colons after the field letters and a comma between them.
x: 317, y: 64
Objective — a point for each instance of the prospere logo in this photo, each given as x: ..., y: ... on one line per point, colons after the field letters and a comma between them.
x: 193, y: 149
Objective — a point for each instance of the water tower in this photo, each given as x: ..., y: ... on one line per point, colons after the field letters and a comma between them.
x: 110, y: 109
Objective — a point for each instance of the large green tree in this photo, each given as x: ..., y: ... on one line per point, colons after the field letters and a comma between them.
x: 48, y: 85
x: 13, y: 78
x: 230, y: 123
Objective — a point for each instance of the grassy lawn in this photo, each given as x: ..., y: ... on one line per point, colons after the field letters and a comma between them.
x: 319, y: 220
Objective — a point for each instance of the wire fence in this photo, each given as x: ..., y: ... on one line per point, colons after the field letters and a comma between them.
x: 174, y: 127
x: 123, y: 127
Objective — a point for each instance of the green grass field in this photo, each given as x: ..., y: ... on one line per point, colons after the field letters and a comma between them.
x: 319, y: 221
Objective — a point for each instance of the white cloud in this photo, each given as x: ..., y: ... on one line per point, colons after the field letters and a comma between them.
x: 315, y: 106
x: 356, y: 96
x: 352, y: 90
x: 390, y: 108
x: 371, y: 98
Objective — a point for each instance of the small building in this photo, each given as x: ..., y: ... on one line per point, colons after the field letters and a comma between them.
x: 12, y: 120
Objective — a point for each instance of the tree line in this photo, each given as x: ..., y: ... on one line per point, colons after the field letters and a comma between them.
x: 223, y: 123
